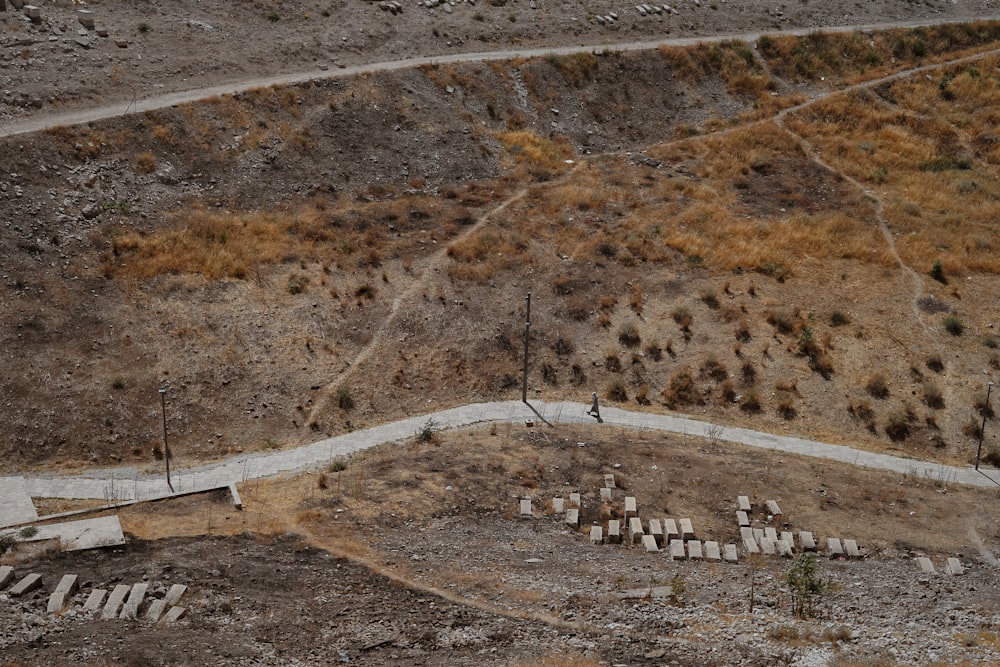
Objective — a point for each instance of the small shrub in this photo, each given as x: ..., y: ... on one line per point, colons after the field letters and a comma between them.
x: 877, y: 387
x: 145, y: 163
x: 579, y: 377
x: 297, y: 283
x: 973, y: 428
x: 727, y: 391
x: 653, y: 351
x: 992, y: 457
x: 712, y: 368
x: 751, y: 402
x: 937, y: 272
x: 143, y: 28
x: 345, y: 401
x: 897, y: 426
x: 28, y: 532
x: 933, y: 396
x: 642, y: 395
x: 682, y: 316
x: 337, y: 465
x: 935, y: 363
x: 781, y: 320
x: 785, y: 405
x: 953, y: 325
x: 615, y: 391
x: 822, y: 363
x: 7, y: 542
x: 428, y: 432
x: 549, y: 374
x: 612, y: 362
x: 321, y: 481
x: 118, y: 383
x: 682, y: 390
x: 839, y: 319
x: 991, y: 342
x: 710, y: 298
x: 628, y: 334
x: 273, y: 16
x: 365, y: 291
x: 563, y: 345
x: 743, y: 332
x: 749, y: 373
x: 984, y: 409
x: 862, y: 411
x: 805, y: 584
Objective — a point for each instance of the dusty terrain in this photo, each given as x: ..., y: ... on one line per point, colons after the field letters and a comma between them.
x: 703, y: 229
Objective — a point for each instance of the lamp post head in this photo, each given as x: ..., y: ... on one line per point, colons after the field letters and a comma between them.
x: 163, y: 391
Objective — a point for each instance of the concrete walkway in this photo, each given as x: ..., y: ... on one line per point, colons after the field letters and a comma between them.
x: 127, y: 484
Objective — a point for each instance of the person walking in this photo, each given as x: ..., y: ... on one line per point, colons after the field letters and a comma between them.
x: 595, y: 409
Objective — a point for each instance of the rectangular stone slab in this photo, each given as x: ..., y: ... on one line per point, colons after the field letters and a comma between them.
x: 954, y: 566
x: 57, y: 601
x: 609, y: 480
x: 525, y: 509
x: 807, y: 541
x: 95, y: 599
x: 135, y: 598
x: 787, y: 536
x: 155, y: 610
x: 614, y: 532
x: 751, y: 546
x: 114, y: 603
x: 687, y: 530
x: 712, y: 551
x: 235, y: 493
x: 729, y: 553
x: 833, y: 546
x: 6, y: 576
x: 649, y: 544
x: 15, y: 503
x: 635, y: 531
x: 784, y: 548
x: 605, y: 494
x: 743, y: 502
x: 772, y: 508
x: 558, y: 505
x: 694, y: 550
x: 771, y: 534
x: 103, y: 531
x: 742, y: 519
x: 747, y: 534
x: 851, y: 547
x: 174, y: 614
x: 670, y: 529
x: 596, y: 535
x: 574, y: 500
x: 629, y: 505
x: 173, y: 596
x: 68, y: 584
x: 767, y: 547
x: 758, y: 534
x: 573, y: 517
x: 677, y: 549
x: 656, y: 530
x: 26, y: 585
x: 925, y: 565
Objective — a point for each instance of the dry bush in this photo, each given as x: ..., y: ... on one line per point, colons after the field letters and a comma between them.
x: 612, y: 361
x: 933, y: 396
x: 642, y: 394
x: 713, y: 369
x: 935, y: 363
x: 653, y: 351
x: 539, y: 155
x: 862, y: 411
x: 682, y: 390
x: 784, y: 404
x: 727, y: 391
x: 877, y: 386
x: 683, y: 317
x: 628, y: 334
x: 750, y: 403
x: 615, y: 391
x: 748, y: 373
x: 145, y: 163
x: 897, y: 425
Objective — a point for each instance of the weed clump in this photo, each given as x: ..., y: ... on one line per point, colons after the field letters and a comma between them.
x: 877, y: 386
x: 682, y: 390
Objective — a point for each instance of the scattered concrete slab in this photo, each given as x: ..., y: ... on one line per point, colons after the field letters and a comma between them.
x: 60, y: 596
x: 596, y: 535
x: 155, y: 611
x: 131, y: 608
x: 26, y: 585
x: 103, y: 531
x: 767, y: 547
x: 772, y: 508
x: 573, y: 517
x: 677, y: 549
x: 605, y: 494
x: 635, y: 531
x: 751, y: 546
x: 807, y: 541
x: 574, y: 500
x: 670, y: 529
x: 747, y: 534
x: 558, y: 505
x: 851, y: 548
x: 526, y: 508
x: 954, y: 567
x: 784, y: 548
x: 235, y: 493
x: 86, y: 18
x: 694, y: 550
x: 771, y: 534
x: 15, y: 503
x: 614, y: 532
x: 742, y: 519
x: 649, y: 544
x: 656, y: 531
x: 115, y: 600
x: 729, y: 553
x: 609, y: 480
x: 833, y: 547
x: 173, y: 596
x: 787, y: 536
x: 758, y: 534
x: 712, y: 552
x: 630, y: 506
x: 6, y: 576
x: 94, y: 600
x: 175, y: 614
x: 56, y: 603
x: 743, y: 502
x: 687, y: 530
x: 925, y: 565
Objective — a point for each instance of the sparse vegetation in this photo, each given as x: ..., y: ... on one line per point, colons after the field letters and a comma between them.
x: 953, y: 325
x: 877, y: 386
x: 805, y: 584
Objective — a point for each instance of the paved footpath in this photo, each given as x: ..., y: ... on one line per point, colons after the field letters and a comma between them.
x: 125, y: 484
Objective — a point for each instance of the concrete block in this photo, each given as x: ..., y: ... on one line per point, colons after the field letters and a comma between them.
x: 670, y: 529
x: 783, y: 548
x: 787, y: 536
x: 767, y: 547
x: 33, y: 13
x: 15, y: 504
x: 687, y: 531
x: 806, y: 540
x: 772, y: 508
x: 174, y: 614
x: 742, y: 519
x: 609, y: 480
x: 677, y: 549
x: 64, y: 591
x: 525, y: 508
x: 747, y: 534
x: 173, y: 596
x: 86, y: 18
x: 235, y: 493
x: 649, y: 544
x: 751, y: 546
x: 630, y: 506
x: 114, y: 603
x: 925, y: 565
x: 656, y: 531
x: 57, y: 602
x: 574, y: 500
x: 743, y: 502
x: 6, y: 576
x: 729, y: 553
x: 68, y: 584
x: 95, y: 599
x: 694, y: 550
x: 851, y: 547
x: 558, y: 505
x: 596, y: 535
x: 635, y: 531
x: 712, y: 552
x: 573, y: 517
x: 954, y: 567
x: 155, y: 610
x: 614, y: 532
x: 758, y: 534
x: 605, y: 494
x: 134, y: 601
x: 833, y: 547
x: 26, y: 585
x: 771, y: 534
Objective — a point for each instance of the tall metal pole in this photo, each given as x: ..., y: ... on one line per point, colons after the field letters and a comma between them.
x: 527, y: 327
x: 982, y: 430
x: 166, y: 448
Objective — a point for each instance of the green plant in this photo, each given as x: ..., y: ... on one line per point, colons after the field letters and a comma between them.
x: 935, y: 363
x: 991, y: 342
x: 345, y: 401
x: 143, y: 28
x: 953, y: 325
x: 337, y: 465
x: 273, y: 16
x: 118, y: 383
x: 428, y: 432
x: 937, y: 272
x: 7, y: 542
x: 805, y: 584
x: 28, y: 532
x: 478, y: 16
x: 838, y: 319
x: 678, y: 589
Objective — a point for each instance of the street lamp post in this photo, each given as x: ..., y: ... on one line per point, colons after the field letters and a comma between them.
x: 166, y: 448
x: 982, y: 430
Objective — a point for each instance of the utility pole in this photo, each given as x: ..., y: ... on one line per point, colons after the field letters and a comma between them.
x: 982, y: 430
x: 527, y: 328
x: 166, y: 448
